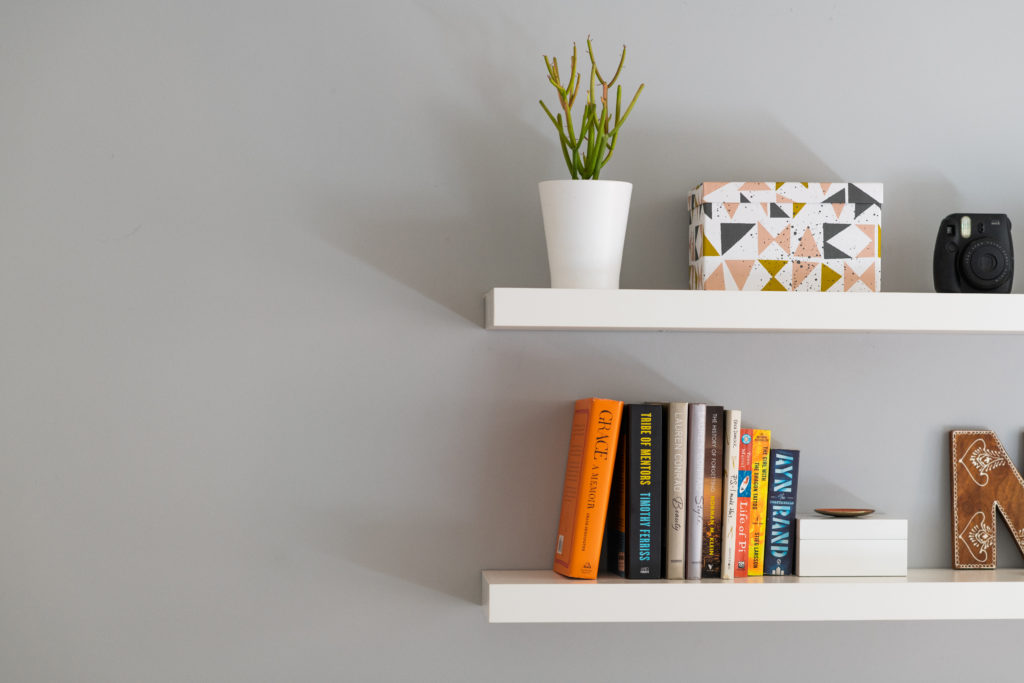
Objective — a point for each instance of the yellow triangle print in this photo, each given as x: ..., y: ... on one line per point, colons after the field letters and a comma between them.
x: 796, y: 208
x: 828, y: 277
x: 773, y: 267
x: 773, y: 286
x: 878, y: 240
x: 709, y: 249
x: 778, y: 185
x: 805, y: 185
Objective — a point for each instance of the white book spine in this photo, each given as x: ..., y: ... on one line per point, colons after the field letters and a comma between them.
x: 732, y: 468
x: 695, y: 489
x: 675, y: 505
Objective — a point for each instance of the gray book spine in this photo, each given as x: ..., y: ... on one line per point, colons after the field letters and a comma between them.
x: 695, y: 489
x: 675, y: 491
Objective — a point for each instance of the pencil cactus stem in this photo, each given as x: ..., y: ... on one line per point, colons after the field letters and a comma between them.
x: 572, y: 66
x: 587, y: 152
x: 590, y: 51
x: 590, y: 94
x: 630, y: 107
x: 562, y: 143
x: 558, y: 123
x: 622, y: 60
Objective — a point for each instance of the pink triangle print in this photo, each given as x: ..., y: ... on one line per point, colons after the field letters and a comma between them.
x: 765, y: 239
x: 801, y: 269
x: 869, y: 250
x: 716, y: 280
x: 740, y: 270
x: 710, y: 189
x: 807, y: 248
x: 850, y: 278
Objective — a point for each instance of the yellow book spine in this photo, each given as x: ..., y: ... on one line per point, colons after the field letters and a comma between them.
x: 762, y: 439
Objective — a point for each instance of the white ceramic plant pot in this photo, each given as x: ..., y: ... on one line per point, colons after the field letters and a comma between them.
x: 585, y: 227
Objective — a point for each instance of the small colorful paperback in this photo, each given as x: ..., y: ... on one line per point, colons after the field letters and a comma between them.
x: 781, y: 516
x: 593, y: 442
x: 743, y: 502
x: 730, y: 486
x: 731, y: 492
x: 762, y: 441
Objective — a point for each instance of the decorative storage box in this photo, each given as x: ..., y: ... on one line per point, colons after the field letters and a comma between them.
x: 860, y: 546
x: 801, y: 237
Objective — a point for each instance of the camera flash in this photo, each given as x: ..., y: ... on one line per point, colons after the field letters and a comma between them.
x: 965, y: 227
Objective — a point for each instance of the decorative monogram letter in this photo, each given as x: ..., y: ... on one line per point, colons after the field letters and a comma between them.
x: 983, y: 479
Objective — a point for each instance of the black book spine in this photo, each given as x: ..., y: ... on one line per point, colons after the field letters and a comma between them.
x: 644, y: 456
x: 780, y: 539
x: 714, y: 466
x: 616, y: 520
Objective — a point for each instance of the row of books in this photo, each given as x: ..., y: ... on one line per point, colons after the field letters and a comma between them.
x: 674, y: 490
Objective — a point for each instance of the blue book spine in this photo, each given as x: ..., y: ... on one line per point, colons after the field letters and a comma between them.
x: 780, y: 534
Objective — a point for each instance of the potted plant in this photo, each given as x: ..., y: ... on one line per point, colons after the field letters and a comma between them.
x: 585, y: 218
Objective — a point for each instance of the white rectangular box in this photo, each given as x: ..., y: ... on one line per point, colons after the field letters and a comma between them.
x: 783, y: 236
x: 865, y: 546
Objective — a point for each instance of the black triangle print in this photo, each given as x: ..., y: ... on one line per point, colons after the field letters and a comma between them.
x: 855, y: 195
x: 743, y: 199
x: 776, y: 212
x: 861, y: 208
x: 733, y: 233
x: 837, y: 198
x: 707, y: 210
x: 833, y: 229
x: 833, y: 252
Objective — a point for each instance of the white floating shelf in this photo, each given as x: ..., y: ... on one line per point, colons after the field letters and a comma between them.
x: 926, y: 594
x: 666, y: 309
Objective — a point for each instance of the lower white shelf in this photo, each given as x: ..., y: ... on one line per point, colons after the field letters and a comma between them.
x: 524, y: 596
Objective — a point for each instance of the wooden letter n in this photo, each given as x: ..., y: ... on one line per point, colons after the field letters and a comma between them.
x: 983, y: 479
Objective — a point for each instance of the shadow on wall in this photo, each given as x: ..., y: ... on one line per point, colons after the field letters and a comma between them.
x: 490, y: 498
x: 471, y: 220
x: 668, y: 154
x: 914, y: 204
x: 468, y: 219
x: 669, y: 159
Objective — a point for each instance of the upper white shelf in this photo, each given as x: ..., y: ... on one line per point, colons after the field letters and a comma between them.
x: 666, y: 309
x: 925, y: 594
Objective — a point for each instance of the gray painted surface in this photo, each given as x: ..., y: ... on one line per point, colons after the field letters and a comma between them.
x: 251, y: 427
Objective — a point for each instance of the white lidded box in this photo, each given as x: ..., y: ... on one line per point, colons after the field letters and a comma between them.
x: 786, y: 236
x: 851, y: 546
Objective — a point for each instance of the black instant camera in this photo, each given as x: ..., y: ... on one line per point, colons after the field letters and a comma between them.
x: 974, y: 253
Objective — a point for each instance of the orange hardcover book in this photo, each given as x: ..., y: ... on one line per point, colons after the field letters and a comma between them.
x: 588, y: 481
x: 758, y: 500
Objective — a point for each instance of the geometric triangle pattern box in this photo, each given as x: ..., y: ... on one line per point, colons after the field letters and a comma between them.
x: 793, y: 237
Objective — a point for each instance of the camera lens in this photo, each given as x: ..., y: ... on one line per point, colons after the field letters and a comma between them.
x: 984, y: 264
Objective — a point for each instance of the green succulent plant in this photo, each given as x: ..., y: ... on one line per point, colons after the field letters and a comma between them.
x: 587, y: 150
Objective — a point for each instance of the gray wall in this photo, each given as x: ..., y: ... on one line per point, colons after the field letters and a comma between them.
x: 251, y: 427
